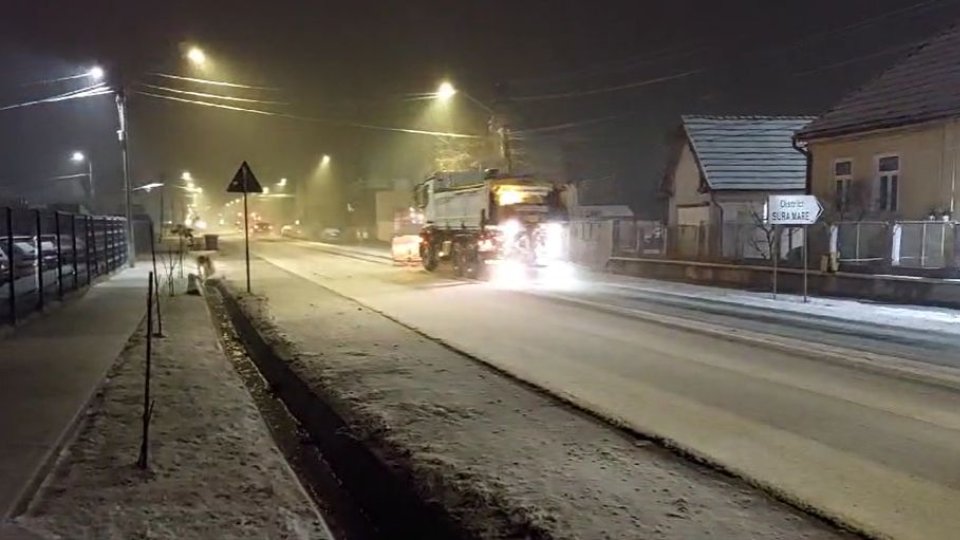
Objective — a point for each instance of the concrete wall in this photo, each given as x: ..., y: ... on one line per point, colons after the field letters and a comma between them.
x: 928, y: 164
x: 923, y: 291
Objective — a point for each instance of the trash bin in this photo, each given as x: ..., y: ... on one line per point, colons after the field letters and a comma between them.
x: 210, y: 241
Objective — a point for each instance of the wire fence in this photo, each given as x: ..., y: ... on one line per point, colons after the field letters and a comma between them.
x: 864, y: 246
x: 46, y: 255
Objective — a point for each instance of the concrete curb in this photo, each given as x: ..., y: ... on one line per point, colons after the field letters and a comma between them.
x: 387, y: 497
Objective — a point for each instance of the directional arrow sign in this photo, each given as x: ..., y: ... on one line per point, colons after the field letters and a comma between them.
x: 793, y: 210
x: 244, y: 181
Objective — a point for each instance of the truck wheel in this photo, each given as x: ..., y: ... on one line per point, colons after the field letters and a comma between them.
x: 428, y: 256
x: 459, y: 259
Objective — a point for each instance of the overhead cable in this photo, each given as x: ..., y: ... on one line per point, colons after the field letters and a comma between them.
x: 213, y: 96
x: 312, y: 119
x: 212, y: 82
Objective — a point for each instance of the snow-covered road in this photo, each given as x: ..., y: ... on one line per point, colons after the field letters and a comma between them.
x: 875, y: 450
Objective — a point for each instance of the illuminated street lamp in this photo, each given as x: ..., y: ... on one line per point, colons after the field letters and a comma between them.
x: 186, y: 176
x: 446, y: 91
x: 96, y: 73
x: 325, y: 160
x: 282, y: 182
x: 79, y: 157
x: 196, y: 56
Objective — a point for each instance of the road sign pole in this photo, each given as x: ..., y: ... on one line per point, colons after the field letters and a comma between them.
x: 244, y: 181
x: 775, y: 253
x: 246, y: 238
x: 806, y: 266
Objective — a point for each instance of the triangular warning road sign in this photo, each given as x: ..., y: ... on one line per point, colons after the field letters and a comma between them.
x: 244, y: 181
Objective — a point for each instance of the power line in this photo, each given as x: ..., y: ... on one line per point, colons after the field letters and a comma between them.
x: 884, y: 52
x: 213, y: 96
x: 312, y: 119
x: 609, y: 89
x: 213, y: 83
x: 919, y: 6
x: 97, y: 90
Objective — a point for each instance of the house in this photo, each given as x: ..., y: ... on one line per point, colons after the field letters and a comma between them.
x: 886, y: 158
x: 721, y: 173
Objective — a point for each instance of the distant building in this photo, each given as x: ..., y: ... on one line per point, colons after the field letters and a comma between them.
x: 720, y: 175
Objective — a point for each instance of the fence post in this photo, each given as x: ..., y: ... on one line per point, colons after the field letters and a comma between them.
x: 12, y: 263
x: 90, y: 240
x: 36, y: 214
x: 858, y: 241
x: 923, y: 245
x: 73, y: 241
x: 56, y: 230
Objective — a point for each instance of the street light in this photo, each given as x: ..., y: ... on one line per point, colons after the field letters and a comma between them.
x: 446, y: 91
x: 79, y: 157
x: 186, y: 176
x: 282, y: 182
x: 325, y: 160
x: 196, y: 56
x: 96, y: 73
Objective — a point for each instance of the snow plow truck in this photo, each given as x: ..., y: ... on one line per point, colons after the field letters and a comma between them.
x: 487, y: 224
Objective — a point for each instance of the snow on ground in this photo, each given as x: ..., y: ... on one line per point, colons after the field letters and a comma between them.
x: 919, y: 317
x: 507, y: 461
x: 906, y: 316
x: 214, y: 470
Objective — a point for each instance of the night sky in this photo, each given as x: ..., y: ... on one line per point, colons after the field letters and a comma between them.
x: 361, y: 62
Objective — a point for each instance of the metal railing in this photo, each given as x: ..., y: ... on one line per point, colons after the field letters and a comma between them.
x: 45, y: 255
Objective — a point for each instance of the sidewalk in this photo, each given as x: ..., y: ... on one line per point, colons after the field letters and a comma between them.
x: 214, y: 470
x: 51, y: 367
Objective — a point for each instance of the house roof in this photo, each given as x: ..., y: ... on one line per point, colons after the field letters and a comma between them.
x: 921, y: 88
x: 748, y: 152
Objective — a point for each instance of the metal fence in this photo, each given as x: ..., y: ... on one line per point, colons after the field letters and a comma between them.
x: 863, y: 242
x: 932, y: 247
x: 45, y: 255
x: 924, y: 244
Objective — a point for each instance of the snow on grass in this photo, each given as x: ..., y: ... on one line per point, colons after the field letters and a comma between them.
x: 506, y: 461
x: 214, y: 471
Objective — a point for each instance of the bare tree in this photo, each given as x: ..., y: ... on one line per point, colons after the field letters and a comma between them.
x: 763, y: 244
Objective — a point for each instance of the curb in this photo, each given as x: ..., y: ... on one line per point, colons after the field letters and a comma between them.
x: 389, y: 499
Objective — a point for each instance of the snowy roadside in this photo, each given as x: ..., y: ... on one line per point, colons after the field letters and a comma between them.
x: 214, y: 470
x: 912, y: 317
x: 901, y: 316
x: 505, y: 461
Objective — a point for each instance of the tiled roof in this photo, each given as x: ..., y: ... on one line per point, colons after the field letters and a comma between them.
x: 748, y: 152
x: 922, y: 87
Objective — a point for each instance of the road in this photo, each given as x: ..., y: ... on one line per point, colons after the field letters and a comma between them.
x: 872, y: 448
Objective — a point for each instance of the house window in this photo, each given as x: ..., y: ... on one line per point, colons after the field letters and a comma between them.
x: 888, y: 183
x: 843, y: 178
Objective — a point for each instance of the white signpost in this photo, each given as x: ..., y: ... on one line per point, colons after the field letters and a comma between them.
x: 802, y: 210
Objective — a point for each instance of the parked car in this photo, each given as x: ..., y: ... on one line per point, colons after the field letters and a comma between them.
x: 331, y: 234
x: 292, y: 231
x: 4, y: 266
x: 261, y: 227
x: 24, y: 256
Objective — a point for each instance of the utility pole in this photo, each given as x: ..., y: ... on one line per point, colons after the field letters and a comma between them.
x: 123, y: 135
x: 498, y: 123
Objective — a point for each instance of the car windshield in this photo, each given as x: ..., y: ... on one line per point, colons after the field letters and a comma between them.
x: 25, y: 248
